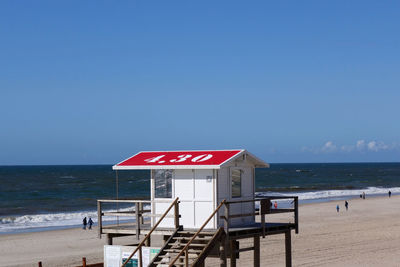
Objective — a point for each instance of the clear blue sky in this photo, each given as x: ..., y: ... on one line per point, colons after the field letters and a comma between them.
x: 291, y: 81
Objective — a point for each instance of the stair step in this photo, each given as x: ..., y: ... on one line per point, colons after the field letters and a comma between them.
x: 175, y: 264
x: 194, y: 251
x: 188, y: 238
x: 182, y: 245
x: 193, y: 233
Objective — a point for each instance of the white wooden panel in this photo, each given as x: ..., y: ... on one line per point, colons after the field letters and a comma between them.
x: 247, y: 192
x: 223, y: 191
x: 223, y: 184
x: 160, y: 208
x: 203, y: 185
x: 247, y: 183
x: 184, y: 184
x: 203, y: 211
x: 187, y: 210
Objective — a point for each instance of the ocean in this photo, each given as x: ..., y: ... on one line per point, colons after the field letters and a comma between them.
x: 36, y: 198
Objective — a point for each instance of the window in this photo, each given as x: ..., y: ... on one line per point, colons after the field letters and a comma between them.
x: 163, y: 183
x: 236, y: 176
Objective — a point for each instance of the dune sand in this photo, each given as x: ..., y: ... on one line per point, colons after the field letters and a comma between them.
x: 368, y: 234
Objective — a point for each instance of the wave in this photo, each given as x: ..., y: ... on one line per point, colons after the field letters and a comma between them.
x: 25, y: 223
x: 334, y: 194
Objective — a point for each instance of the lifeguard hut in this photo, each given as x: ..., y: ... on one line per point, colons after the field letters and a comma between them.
x: 200, y: 201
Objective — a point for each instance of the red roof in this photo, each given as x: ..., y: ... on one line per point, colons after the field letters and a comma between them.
x: 207, y: 159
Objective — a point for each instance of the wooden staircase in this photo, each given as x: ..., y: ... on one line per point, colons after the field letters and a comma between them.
x: 195, y: 253
x: 183, y: 248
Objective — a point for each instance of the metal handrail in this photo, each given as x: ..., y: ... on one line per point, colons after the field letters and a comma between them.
x: 185, y: 249
x: 139, y: 247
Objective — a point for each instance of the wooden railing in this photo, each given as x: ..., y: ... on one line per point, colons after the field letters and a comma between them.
x: 139, y: 247
x: 264, y: 208
x: 185, y: 249
x: 139, y: 212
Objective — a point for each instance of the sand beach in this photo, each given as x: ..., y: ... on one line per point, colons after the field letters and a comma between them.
x: 368, y: 234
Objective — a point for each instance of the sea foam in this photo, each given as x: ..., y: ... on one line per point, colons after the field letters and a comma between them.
x: 326, y: 195
x: 30, y: 223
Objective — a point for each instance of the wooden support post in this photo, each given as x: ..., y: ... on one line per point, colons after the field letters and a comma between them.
x: 265, y: 207
x: 137, y: 220
x: 176, y: 213
x: 233, y: 253
x: 99, y: 217
x: 109, y: 239
x: 226, y: 221
x: 257, y: 251
x: 140, y: 258
x: 296, y: 214
x: 288, y: 248
x: 148, y: 242
x: 263, y: 225
x: 187, y: 257
x: 83, y: 262
x: 40, y: 264
x: 140, y: 212
x: 222, y: 251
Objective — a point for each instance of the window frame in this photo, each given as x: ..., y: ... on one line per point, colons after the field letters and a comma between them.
x: 171, y: 184
x: 232, y: 182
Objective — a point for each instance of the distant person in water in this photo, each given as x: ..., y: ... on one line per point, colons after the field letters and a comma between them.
x: 275, y: 205
x: 90, y: 222
x: 346, y: 204
x: 337, y: 208
x: 390, y: 193
x: 84, y: 223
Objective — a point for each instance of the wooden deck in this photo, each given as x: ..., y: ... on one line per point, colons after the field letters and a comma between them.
x: 225, y: 239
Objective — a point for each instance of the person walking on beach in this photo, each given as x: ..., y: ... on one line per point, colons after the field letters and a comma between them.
x: 346, y: 204
x: 84, y: 223
x: 90, y: 222
x: 337, y: 208
x: 275, y: 205
x: 363, y: 195
x: 390, y: 193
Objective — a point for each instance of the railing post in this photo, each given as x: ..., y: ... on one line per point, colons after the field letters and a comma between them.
x: 296, y: 214
x: 222, y: 251
x: 233, y: 252
x: 99, y: 218
x: 187, y: 257
x: 226, y: 221
x: 40, y: 264
x: 288, y: 249
x: 137, y: 220
x: 265, y: 207
x: 140, y: 212
x: 176, y: 210
x: 140, y: 257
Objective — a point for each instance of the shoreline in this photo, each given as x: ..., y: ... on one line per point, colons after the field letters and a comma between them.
x: 35, y: 229
x: 366, y: 234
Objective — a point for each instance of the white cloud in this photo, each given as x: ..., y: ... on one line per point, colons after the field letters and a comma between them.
x: 329, y: 147
x: 377, y: 146
x: 360, y: 144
